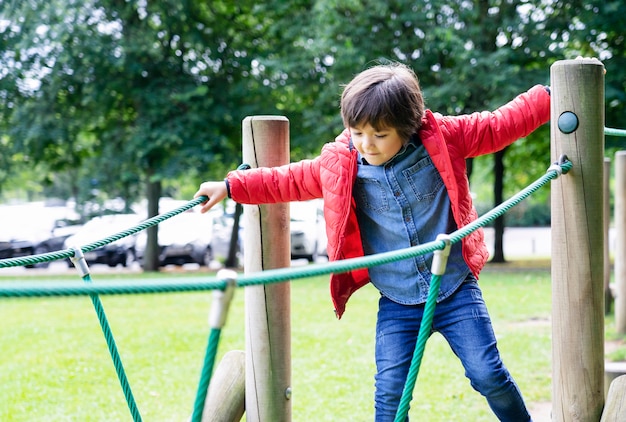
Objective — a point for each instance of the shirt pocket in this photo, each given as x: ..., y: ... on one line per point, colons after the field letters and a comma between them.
x: 369, y: 194
x: 424, y: 179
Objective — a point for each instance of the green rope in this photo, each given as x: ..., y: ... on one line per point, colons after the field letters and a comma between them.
x: 264, y: 277
x: 217, y: 320
x: 614, y: 132
x: 205, y: 376
x: 279, y: 274
x: 498, y: 211
x: 117, y: 361
x: 111, y: 287
x: 418, y: 354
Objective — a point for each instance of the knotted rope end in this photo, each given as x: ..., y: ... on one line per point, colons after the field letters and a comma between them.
x: 440, y: 259
x: 222, y: 298
x: 562, y: 166
x: 79, y: 262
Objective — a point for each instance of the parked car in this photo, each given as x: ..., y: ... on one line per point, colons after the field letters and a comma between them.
x: 5, y: 249
x: 120, y: 252
x: 35, y: 228
x: 183, y: 239
x: 308, y: 230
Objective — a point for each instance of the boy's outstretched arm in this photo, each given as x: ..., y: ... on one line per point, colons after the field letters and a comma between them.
x: 216, y: 191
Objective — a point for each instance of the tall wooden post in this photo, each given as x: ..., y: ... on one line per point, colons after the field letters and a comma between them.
x: 268, y: 312
x: 577, y: 130
x: 606, y: 186
x: 608, y: 296
x: 620, y: 242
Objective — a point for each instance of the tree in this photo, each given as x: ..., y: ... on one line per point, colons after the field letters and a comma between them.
x: 150, y: 89
x: 595, y: 29
x: 469, y: 56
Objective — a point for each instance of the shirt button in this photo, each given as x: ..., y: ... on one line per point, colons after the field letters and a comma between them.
x: 397, y: 193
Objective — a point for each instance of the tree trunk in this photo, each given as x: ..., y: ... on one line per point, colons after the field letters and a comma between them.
x: 498, y: 198
x: 469, y: 168
x: 151, y: 254
x: 232, y: 260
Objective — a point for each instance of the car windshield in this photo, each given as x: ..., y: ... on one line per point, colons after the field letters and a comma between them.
x: 100, y: 227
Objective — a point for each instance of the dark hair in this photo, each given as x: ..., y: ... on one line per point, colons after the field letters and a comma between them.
x: 384, y: 96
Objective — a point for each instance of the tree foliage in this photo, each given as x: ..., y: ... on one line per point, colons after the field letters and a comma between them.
x: 161, y: 87
x: 146, y: 87
x: 116, y: 94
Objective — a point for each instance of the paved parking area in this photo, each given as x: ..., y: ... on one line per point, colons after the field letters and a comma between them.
x: 522, y: 242
x: 529, y: 242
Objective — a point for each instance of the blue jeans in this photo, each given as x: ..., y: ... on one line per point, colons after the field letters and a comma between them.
x: 464, y: 322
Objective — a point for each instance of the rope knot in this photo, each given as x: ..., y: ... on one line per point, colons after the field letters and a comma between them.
x: 557, y: 166
x: 79, y: 262
x: 440, y: 260
x: 222, y: 298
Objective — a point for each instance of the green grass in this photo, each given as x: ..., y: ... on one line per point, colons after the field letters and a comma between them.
x: 55, y: 366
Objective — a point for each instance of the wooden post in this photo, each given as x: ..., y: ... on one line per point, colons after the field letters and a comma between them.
x: 616, y: 401
x: 620, y: 242
x: 577, y: 130
x: 226, y: 395
x: 612, y: 371
x: 606, y: 187
x: 267, y: 246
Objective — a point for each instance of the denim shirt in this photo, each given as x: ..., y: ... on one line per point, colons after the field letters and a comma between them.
x: 404, y: 203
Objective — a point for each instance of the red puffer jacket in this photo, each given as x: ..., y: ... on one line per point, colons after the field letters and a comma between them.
x: 448, y: 139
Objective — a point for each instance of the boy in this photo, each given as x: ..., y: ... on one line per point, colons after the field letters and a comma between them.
x: 395, y: 178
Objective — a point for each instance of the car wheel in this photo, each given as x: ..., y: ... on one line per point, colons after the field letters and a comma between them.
x: 128, y: 259
x: 207, y: 258
x: 39, y: 250
x: 313, y: 256
x: 113, y: 259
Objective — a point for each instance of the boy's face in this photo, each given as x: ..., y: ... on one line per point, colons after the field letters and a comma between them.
x: 376, y: 146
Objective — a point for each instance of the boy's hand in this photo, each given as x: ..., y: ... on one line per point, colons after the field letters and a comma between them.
x: 216, y: 191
